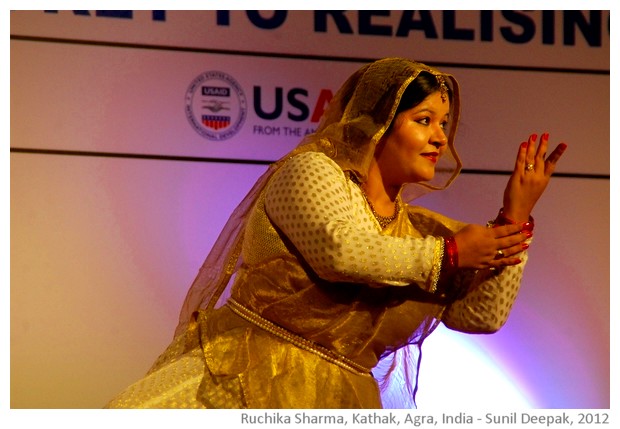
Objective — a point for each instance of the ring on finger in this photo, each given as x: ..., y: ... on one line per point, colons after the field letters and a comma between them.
x: 499, y: 254
x: 529, y: 167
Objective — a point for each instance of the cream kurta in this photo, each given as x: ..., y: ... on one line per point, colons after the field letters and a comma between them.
x: 317, y: 265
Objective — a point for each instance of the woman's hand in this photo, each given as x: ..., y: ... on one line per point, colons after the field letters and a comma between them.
x: 482, y: 247
x: 530, y: 177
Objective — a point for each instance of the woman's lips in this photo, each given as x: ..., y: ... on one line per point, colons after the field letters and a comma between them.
x: 431, y: 156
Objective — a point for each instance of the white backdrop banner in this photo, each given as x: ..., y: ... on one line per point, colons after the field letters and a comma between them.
x: 249, y: 85
x: 557, y: 39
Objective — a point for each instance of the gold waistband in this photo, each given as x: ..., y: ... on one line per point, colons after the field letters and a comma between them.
x: 295, y: 339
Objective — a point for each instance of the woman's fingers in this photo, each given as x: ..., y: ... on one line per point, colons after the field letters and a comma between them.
x: 521, y: 156
x: 530, y: 157
x: 507, y: 230
x: 541, y: 152
x: 513, y: 250
x: 552, y: 159
x: 541, y: 161
x: 536, y: 156
x: 510, y: 240
x: 482, y: 247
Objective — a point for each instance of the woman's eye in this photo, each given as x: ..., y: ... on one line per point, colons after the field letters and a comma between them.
x: 423, y: 121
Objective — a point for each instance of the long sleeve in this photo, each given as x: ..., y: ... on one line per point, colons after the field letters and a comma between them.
x: 489, y: 299
x: 313, y: 203
x: 488, y: 296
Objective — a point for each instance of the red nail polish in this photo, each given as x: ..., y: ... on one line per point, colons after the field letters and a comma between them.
x: 525, y: 246
x: 528, y: 226
x: 546, y: 136
x: 528, y: 234
x: 534, y: 136
x: 524, y: 145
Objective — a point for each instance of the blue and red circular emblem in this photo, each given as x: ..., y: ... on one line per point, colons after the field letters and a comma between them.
x: 215, y: 105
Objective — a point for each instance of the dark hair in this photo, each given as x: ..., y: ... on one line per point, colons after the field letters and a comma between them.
x: 422, y: 86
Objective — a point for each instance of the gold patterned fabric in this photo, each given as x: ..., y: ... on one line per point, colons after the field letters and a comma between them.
x: 319, y: 293
x: 225, y: 360
x: 355, y: 120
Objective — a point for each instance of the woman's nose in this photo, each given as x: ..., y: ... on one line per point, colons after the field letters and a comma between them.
x: 439, y: 139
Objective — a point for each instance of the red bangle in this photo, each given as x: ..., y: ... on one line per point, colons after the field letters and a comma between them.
x: 451, y: 254
x: 447, y: 289
x: 502, y: 219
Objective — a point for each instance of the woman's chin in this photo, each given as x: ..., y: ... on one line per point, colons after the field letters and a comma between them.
x: 425, y: 176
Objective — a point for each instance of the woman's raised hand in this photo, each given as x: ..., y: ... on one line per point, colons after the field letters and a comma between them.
x: 480, y: 247
x: 530, y: 177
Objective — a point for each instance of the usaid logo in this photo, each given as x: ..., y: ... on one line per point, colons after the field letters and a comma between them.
x: 215, y: 105
x: 215, y: 91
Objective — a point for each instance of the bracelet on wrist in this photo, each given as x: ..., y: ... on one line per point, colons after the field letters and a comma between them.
x: 502, y: 219
x: 450, y: 255
x: 447, y: 288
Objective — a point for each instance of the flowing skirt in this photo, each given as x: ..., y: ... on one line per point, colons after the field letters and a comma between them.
x: 224, y: 361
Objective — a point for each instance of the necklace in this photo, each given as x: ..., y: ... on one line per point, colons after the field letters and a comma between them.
x: 383, y: 220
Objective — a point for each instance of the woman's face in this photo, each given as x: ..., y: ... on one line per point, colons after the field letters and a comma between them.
x: 409, y: 152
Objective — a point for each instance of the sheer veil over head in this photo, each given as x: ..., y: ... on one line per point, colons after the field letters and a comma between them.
x: 354, y: 122
x: 363, y: 109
